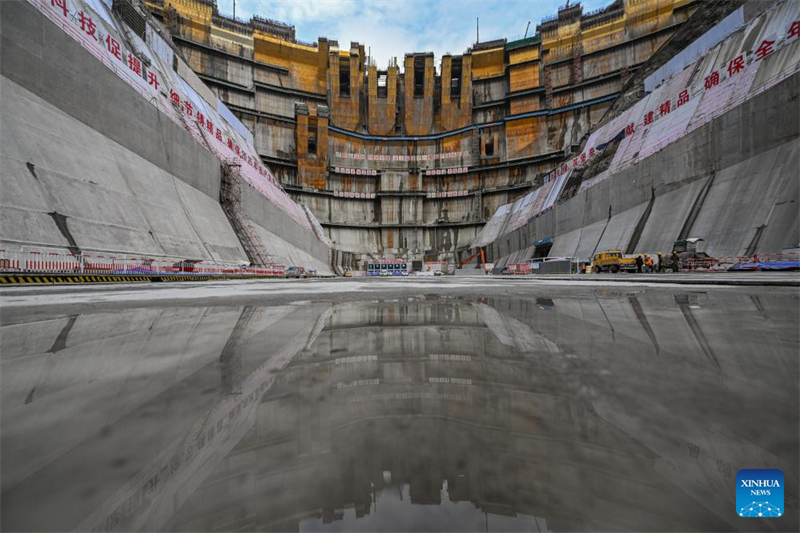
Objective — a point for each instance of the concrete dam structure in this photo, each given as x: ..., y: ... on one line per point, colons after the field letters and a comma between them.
x: 411, y: 159
x: 257, y: 148
x: 254, y: 284
x: 337, y: 356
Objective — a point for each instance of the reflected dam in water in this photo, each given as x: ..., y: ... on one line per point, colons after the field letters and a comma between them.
x: 620, y: 411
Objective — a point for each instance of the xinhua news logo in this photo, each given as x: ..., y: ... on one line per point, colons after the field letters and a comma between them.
x: 759, y: 493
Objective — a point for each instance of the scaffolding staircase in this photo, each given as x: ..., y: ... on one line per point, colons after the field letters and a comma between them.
x: 476, y: 146
x: 577, y: 68
x: 548, y: 86
x: 230, y: 198
x: 477, y: 206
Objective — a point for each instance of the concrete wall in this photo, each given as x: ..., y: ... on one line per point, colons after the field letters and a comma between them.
x: 45, y: 60
x: 112, y: 199
x: 286, y: 234
x: 80, y: 142
x: 284, y: 252
x: 732, y: 182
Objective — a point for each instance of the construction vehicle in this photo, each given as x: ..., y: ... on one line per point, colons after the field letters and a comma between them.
x: 687, y: 248
x: 688, y: 254
x: 296, y: 272
x: 473, y: 256
x: 613, y: 261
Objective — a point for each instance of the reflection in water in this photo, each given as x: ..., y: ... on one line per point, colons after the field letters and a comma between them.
x: 616, y: 412
x: 397, y: 508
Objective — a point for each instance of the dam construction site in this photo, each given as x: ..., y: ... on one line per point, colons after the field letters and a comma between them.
x: 569, y: 259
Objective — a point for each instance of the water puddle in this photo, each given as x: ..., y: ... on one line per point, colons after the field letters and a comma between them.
x: 617, y: 411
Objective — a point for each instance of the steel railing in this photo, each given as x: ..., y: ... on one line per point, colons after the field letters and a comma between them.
x: 45, y: 262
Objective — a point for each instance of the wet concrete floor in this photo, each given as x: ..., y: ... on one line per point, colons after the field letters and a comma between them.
x: 526, y: 409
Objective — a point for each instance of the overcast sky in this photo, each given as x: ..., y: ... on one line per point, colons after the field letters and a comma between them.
x: 392, y: 28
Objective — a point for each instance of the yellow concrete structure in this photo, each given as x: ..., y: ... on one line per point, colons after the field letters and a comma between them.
x: 412, y: 159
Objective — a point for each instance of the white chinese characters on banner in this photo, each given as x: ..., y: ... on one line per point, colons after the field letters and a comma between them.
x: 356, y: 171
x: 446, y: 171
x: 409, y: 158
x: 447, y: 194
x: 350, y: 194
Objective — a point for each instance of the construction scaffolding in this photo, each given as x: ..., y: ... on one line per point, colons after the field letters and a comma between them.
x: 230, y: 197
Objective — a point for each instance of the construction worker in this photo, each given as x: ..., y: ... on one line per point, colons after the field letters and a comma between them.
x: 676, y: 262
x: 660, y: 263
x: 639, y: 263
x: 649, y: 263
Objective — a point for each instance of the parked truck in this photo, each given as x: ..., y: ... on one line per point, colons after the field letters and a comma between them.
x: 613, y: 261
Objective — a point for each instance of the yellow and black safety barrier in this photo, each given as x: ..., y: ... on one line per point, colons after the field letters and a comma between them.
x: 57, y: 279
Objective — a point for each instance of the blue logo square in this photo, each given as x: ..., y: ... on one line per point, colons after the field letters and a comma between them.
x: 759, y: 493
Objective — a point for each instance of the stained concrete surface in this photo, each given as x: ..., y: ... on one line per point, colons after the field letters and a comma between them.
x: 109, y: 161
x: 745, y: 155
x: 403, y: 405
x: 111, y: 198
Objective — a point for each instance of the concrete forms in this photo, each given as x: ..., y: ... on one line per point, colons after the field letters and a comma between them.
x: 509, y: 110
x: 91, y: 165
x: 720, y: 167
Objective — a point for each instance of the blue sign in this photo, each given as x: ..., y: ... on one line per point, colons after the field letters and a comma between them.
x: 759, y: 493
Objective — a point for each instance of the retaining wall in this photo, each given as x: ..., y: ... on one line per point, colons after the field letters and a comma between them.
x: 126, y: 177
x: 66, y: 185
x: 732, y: 182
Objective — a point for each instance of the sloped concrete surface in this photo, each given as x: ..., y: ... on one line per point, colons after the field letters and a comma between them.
x: 112, y: 199
x: 128, y: 179
x: 748, y: 156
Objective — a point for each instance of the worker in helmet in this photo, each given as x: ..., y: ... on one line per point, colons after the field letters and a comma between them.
x: 676, y: 262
